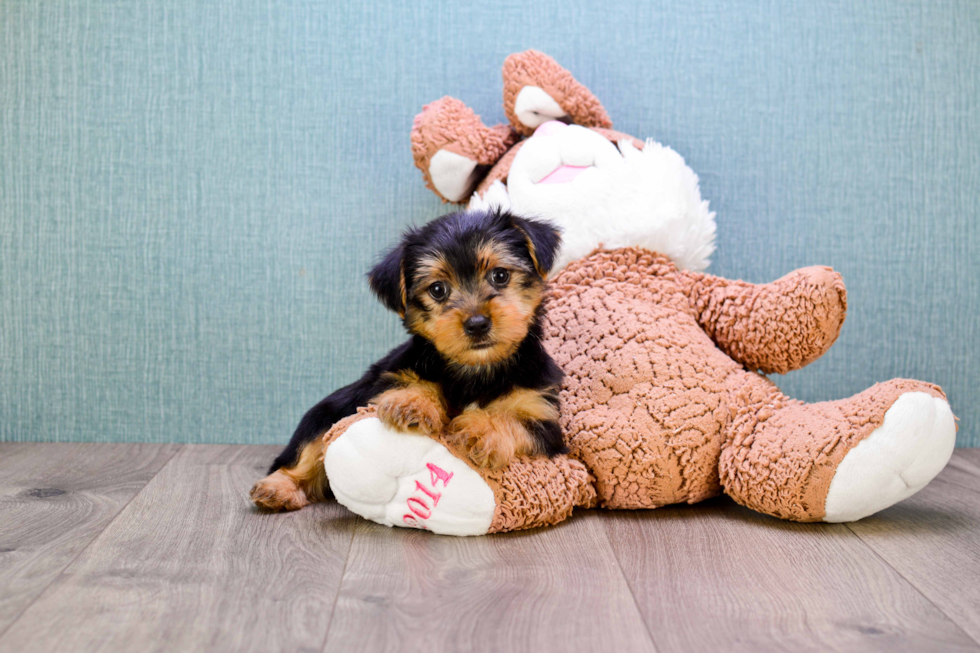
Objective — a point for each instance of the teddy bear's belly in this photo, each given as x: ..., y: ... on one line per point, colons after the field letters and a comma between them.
x: 645, y: 395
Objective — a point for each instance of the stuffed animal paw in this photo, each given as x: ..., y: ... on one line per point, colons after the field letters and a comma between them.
x: 403, y: 479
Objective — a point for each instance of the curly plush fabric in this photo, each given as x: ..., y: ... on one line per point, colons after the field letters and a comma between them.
x: 533, y: 68
x: 656, y: 392
x: 534, y: 492
x: 644, y: 397
x: 738, y: 316
x: 448, y: 124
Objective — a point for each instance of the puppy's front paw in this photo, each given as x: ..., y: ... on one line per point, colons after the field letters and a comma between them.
x: 276, y: 492
x: 411, y: 408
x: 489, y: 442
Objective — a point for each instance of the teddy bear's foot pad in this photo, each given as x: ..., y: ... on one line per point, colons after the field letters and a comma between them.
x: 403, y: 479
x: 454, y: 175
x: 534, y: 107
x: 897, y: 460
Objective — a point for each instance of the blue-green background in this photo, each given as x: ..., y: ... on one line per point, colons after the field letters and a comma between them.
x: 190, y: 192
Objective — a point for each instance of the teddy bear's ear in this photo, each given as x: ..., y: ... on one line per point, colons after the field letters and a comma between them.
x: 537, y: 89
x: 454, y: 149
x: 387, y: 280
x: 543, y: 242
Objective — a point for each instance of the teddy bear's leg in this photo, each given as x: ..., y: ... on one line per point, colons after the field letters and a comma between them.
x: 405, y: 479
x: 537, y: 89
x: 454, y: 149
x: 834, y: 461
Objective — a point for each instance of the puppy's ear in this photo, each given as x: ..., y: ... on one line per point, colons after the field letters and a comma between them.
x: 387, y: 280
x: 543, y: 242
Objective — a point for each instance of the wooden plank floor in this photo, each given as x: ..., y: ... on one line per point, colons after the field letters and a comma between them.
x: 155, y: 547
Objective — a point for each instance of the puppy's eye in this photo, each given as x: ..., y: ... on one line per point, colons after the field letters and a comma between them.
x: 499, y: 277
x: 439, y: 291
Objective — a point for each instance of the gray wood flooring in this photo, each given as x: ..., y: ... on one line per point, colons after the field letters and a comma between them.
x: 122, y: 547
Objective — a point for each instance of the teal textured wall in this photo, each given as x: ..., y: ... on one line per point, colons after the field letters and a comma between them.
x: 190, y: 192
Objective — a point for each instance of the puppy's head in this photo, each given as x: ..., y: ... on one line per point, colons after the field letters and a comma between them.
x: 469, y: 282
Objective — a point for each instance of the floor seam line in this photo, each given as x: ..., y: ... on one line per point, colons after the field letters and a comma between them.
x: 340, y: 587
x: 910, y: 583
x: 622, y: 574
x: 180, y: 447
x: 945, y: 481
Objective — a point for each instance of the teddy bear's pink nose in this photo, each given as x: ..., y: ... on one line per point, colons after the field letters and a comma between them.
x: 549, y: 128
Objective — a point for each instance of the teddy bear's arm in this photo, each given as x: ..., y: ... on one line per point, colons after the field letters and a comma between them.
x: 773, y: 327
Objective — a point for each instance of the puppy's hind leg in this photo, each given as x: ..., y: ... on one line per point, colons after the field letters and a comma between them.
x: 292, y: 488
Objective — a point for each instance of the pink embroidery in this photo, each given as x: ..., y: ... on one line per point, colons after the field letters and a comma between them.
x: 419, y: 509
x: 437, y: 473
x: 422, y: 511
x: 435, y: 496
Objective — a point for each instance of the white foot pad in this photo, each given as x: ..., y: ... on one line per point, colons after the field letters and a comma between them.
x: 409, y: 480
x: 897, y: 460
x: 453, y: 175
x: 534, y: 107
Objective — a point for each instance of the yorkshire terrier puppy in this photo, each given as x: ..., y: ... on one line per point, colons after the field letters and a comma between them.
x: 468, y: 287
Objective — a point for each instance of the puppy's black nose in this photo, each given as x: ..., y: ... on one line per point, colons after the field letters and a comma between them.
x: 476, y: 326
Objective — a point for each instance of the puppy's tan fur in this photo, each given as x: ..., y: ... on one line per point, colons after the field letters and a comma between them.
x: 495, y: 434
x: 412, y: 404
x: 296, y: 487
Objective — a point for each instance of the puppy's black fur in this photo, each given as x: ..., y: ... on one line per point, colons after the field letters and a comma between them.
x: 455, y: 239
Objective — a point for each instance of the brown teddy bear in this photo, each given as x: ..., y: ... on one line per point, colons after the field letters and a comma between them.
x: 664, y: 399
